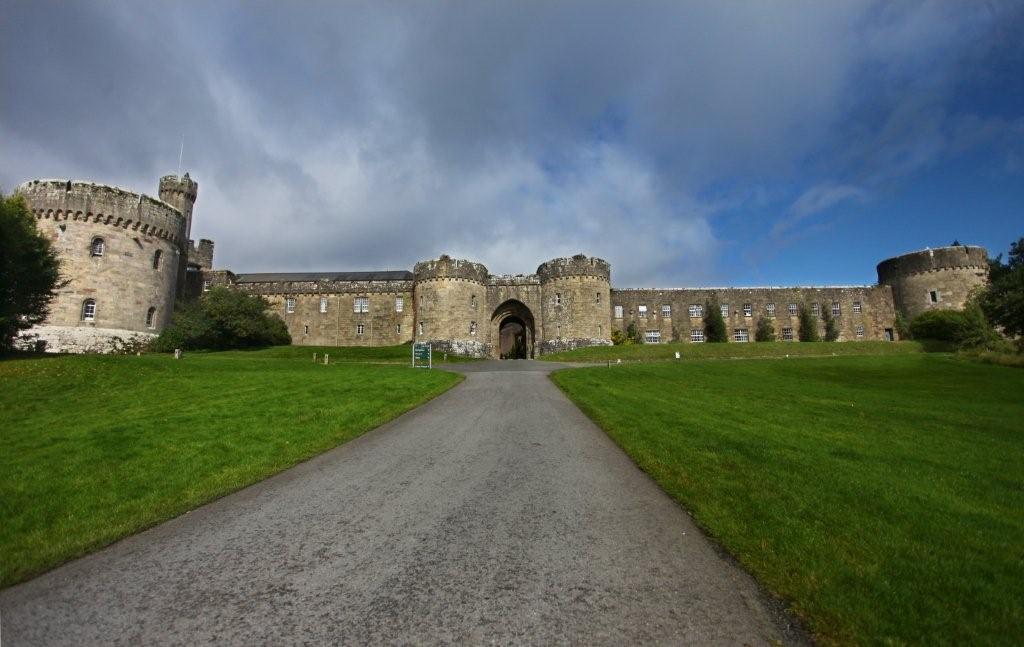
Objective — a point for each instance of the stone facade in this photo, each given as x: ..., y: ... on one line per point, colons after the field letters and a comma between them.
x: 147, y: 260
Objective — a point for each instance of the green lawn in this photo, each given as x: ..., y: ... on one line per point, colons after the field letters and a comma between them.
x: 656, y: 352
x: 883, y: 496
x: 94, y: 448
x: 401, y: 354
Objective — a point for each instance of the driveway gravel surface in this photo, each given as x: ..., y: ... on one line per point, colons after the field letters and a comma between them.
x: 496, y: 513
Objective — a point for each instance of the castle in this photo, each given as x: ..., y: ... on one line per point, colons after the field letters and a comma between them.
x: 128, y: 257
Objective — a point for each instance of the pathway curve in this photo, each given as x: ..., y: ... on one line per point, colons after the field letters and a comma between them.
x: 495, y: 513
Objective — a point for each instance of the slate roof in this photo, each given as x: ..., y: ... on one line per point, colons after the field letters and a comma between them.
x: 272, y: 277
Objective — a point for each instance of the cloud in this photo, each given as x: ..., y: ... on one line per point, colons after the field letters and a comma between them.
x: 372, y: 135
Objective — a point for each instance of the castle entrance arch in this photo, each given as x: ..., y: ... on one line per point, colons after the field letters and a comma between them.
x: 512, y: 328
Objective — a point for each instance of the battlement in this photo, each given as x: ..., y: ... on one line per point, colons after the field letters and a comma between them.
x: 103, y: 203
x: 201, y: 255
x: 183, y: 184
x: 578, y: 265
x: 929, y: 260
x: 447, y: 267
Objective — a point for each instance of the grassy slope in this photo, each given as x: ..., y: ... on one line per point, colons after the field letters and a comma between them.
x: 94, y: 448
x: 653, y: 352
x: 884, y: 496
x: 401, y: 354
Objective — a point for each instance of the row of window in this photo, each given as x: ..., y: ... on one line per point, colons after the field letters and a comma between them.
x: 359, y: 304
x: 98, y: 246
x: 89, y: 312
x: 738, y: 335
x: 696, y: 310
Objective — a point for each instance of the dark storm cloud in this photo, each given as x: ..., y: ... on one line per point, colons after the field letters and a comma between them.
x: 368, y: 136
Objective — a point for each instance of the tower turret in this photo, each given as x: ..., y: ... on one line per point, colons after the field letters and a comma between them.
x: 180, y: 193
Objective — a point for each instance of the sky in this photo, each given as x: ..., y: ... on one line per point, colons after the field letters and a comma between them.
x: 688, y: 143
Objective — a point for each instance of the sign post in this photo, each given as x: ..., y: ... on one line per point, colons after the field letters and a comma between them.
x: 422, y: 357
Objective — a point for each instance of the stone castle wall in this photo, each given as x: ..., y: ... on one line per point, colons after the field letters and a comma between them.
x: 124, y: 281
x: 875, y: 318
x: 941, y: 278
x: 451, y: 306
x: 575, y: 311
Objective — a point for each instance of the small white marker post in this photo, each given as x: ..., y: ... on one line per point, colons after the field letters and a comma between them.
x: 327, y: 359
x: 677, y: 354
x: 177, y: 353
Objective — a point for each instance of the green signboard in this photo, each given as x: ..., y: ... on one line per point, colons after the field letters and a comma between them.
x: 421, y: 355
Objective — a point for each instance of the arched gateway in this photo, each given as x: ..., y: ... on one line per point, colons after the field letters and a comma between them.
x: 512, y: 328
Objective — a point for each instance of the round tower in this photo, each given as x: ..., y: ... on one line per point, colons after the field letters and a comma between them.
x: 940, y: 278
x: 181, y: 194
x: 574, y: 303
x: 451, y: 306
x: 120, y: 253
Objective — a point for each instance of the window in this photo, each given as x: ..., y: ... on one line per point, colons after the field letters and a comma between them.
x: 323, y: 304
x: 289, y: 304
x: 421, y: 328
x: 360, y: 328
x: 859, y: 330
x: 740, y: 335
x: 618, y: 312
x: 641, y: 311
x: 206, y: 285
x: 696, y: 335
x: 472, y: 301
x: 815, y: 310
x: 398, y: 329
x: 150, y: 316
x: 933, y: 296
x: 558, y: 335
x: 305, y: 329
x: 96, y: 247
x: 748, y: 311
x: 695, y: 310
x: 652, y: 336
x: 558, y: 298
x: 361, y: 304
x: 89, y: 310
x: 791, y: 308
x: 725, y: 310
x: 856, y: 307
x: 836, y: 310
x: 787, y: 334
x: 472, y: 327
x: 770, y: 309
x: 666, y: 310
x: 399, y: 304
x: 156, y: 259
x: 597, y: 297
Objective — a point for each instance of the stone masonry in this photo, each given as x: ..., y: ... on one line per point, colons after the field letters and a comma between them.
x: 144, y: 261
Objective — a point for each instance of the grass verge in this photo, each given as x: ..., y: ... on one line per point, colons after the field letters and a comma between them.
x: 401, y: 354
x: 95, y: 448
x: 687, y: 351
x: 882, y: 496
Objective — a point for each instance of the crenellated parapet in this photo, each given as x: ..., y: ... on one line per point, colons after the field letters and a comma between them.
x: 88, y: 202
x: 450, y: 268
x: 940, y: 278
x: 200, y: 255
x: 578, y: 265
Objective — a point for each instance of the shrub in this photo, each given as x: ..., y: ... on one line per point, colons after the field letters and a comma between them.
x: 765, y: 330
x: 966, y: 328
x: 831, y: 329
x: 902, y: 328
x: 618, y: 338
x: 808, y: 325
x: 633, y: 335
x: 222, y: 319
x: 714, y: 323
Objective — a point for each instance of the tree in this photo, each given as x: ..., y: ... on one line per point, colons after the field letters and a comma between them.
x: 714, y: 322
x: 29, y: 271
x: 220, y: 319
x: 902, y: 328
x: 633, y: 334
x: 831, y: 329
x: 765, y: 330
x: 808, y: 324
x: 966, y: 328
x: 1003, y: 300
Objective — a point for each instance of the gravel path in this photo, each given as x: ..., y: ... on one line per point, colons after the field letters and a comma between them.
x: 496, y: 513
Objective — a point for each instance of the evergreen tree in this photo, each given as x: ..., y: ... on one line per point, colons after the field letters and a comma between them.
x: 808, y: 324
x: 714, y: 323
x: 29, y: 271
x: 765, y: 330
x: 831, y: 329
x: 1003, y: 300
x: 220, y: 319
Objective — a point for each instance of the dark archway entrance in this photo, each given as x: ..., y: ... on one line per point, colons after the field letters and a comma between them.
x: 513, y: 331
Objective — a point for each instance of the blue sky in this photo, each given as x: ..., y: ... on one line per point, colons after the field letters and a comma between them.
x: 725, y: 143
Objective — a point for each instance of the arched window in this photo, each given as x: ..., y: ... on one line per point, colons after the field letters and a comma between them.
x: 156, y: 259
x: 96, y: 248
x: 89, y: 310
x: 150, y: 316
